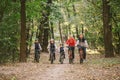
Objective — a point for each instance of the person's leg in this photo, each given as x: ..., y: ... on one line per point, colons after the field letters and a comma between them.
x: 60, y: 57
x: 84, y: 53
x: 54, y: 55
x: 49, y: 56
x: 73, y: 55
x: 38, y: 54
x: 64, y: 54
x: 35, y: 55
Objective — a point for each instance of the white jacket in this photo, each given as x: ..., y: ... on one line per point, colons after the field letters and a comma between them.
x: 85, y: 44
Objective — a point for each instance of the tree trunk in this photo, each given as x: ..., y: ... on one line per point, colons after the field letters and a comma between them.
x: 52, y: 30
x: 27, y: 39
x: 82, y: 29
x: 23, y: 33
x: 46, y: 26
x: 39, y: 33
x: 77, y: 34
x: 60, y: 33
x: 45, y: 40
x: 69, y: 28
x: 74, y: 10
x: 46, y: 33
x: 107, y: 29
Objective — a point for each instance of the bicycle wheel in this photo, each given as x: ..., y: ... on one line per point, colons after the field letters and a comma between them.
x: 70, y: 57
x: 52, y: 58
x: 81, y: 61
x: 81, y: 56
x: 37, y: 56
x: 62, y: 59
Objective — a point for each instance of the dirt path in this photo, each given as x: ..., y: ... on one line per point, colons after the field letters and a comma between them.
x: 90, y: 70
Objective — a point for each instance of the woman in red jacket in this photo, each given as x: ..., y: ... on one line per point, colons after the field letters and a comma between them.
x: 71, y: 43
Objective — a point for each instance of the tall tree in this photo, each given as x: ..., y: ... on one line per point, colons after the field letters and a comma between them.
x: 107, y: 29
x: 23, y: 32
x: 74, y: 11
x: 46, y: 25
x: 69, y: 28
x: 52, y: 30
x: 61, y: 37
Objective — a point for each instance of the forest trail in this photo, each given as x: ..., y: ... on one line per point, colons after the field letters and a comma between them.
x: 95, y: 68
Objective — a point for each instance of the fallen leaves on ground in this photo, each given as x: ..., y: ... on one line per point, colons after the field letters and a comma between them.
x: 95, y: 68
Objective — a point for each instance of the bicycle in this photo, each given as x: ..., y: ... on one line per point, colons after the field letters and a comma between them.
x: 80, y: 49
x: 70, y: 55
x: 52, y: 56
x: 37, y: 55
x: 62, y: 57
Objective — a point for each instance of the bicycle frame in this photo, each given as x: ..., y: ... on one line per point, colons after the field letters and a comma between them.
x: 62, y: 56
x: 81, y: 53
x: 80, y: 49
x: 70, y: 55
x: 37, y: 55
x: 52, y: 53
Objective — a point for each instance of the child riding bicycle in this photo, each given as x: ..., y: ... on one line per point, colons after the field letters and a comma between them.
x: 38, y: 48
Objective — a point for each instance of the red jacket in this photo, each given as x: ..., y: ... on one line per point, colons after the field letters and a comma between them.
x: 71, y: 42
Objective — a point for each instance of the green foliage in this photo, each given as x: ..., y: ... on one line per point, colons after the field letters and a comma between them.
x: 115, y: 9
x: 55, y: 14
x: 33, y: 9
x: 88, y: 15
x: 9, y: 32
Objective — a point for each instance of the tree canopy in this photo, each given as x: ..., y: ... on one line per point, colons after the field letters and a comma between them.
x: 45, y: 19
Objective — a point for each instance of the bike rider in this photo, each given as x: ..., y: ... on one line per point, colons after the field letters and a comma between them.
x: 52, y: 48
x: 71, y: 43
x: 82, y: 42
x: 37, y: 50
